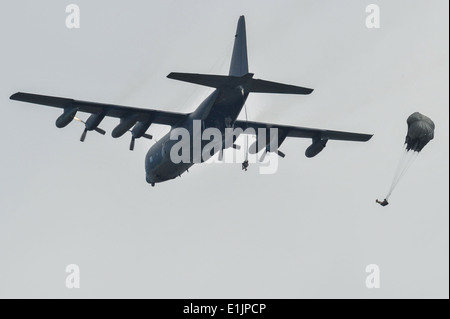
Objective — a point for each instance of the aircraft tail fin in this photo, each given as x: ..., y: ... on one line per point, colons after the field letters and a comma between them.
x: 239, y: 60
x: 239, y: 75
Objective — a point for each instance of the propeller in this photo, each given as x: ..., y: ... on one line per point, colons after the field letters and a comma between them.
x: 83, y: 135
x: 263, y: 156
x: 132, y: 143
x: 281, y: 154
x: 133, y: 139
x: 278, y: 152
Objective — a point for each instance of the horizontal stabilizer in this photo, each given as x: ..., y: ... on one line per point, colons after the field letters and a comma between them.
x: 246, y: 81
x: 261, y: 86
x: 214, y: 81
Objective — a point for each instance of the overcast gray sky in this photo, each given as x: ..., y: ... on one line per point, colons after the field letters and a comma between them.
x: 307, y: 231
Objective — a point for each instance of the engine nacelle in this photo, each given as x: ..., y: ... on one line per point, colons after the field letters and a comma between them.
x: 94, y: 121
x: 125, y: 124
x: 66, y: 117
x: 315, y: 148
x: 140, y: 128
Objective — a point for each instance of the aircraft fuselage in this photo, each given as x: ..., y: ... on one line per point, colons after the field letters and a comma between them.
x: 219, y: 110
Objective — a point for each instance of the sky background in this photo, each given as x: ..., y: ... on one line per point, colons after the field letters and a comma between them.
x: 308, y: 231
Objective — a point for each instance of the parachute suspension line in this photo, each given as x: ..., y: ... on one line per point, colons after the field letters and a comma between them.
x: 246, y: 135
x: 246, y: 150
x: 402, y: 167
x: 411, y: 160
x: 399, y: 166
x: 403, y: 163
x: 407, y: 159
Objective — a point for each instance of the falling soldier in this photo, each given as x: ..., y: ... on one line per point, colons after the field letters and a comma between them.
x: 383, y: 203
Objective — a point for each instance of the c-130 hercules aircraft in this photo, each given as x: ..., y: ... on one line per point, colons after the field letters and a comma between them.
x: 219, y: 110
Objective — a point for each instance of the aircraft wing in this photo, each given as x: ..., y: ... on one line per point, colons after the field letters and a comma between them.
x: 118, y: 111
x: 296, y: 131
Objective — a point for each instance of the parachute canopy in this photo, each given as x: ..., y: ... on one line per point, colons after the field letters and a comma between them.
x: 420, y: 131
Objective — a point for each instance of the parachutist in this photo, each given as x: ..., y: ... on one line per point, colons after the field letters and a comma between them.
x: 245, y: 165
x: 383, y: 203
x: 420, y: 133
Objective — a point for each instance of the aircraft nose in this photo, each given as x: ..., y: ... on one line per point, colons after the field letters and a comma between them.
x: 152, y: 177
x: 150, y: 180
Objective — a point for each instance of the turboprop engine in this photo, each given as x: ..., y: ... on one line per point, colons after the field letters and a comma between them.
x: 316, y: 147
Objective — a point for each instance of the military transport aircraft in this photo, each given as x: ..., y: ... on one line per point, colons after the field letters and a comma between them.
x: 219, y: 110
